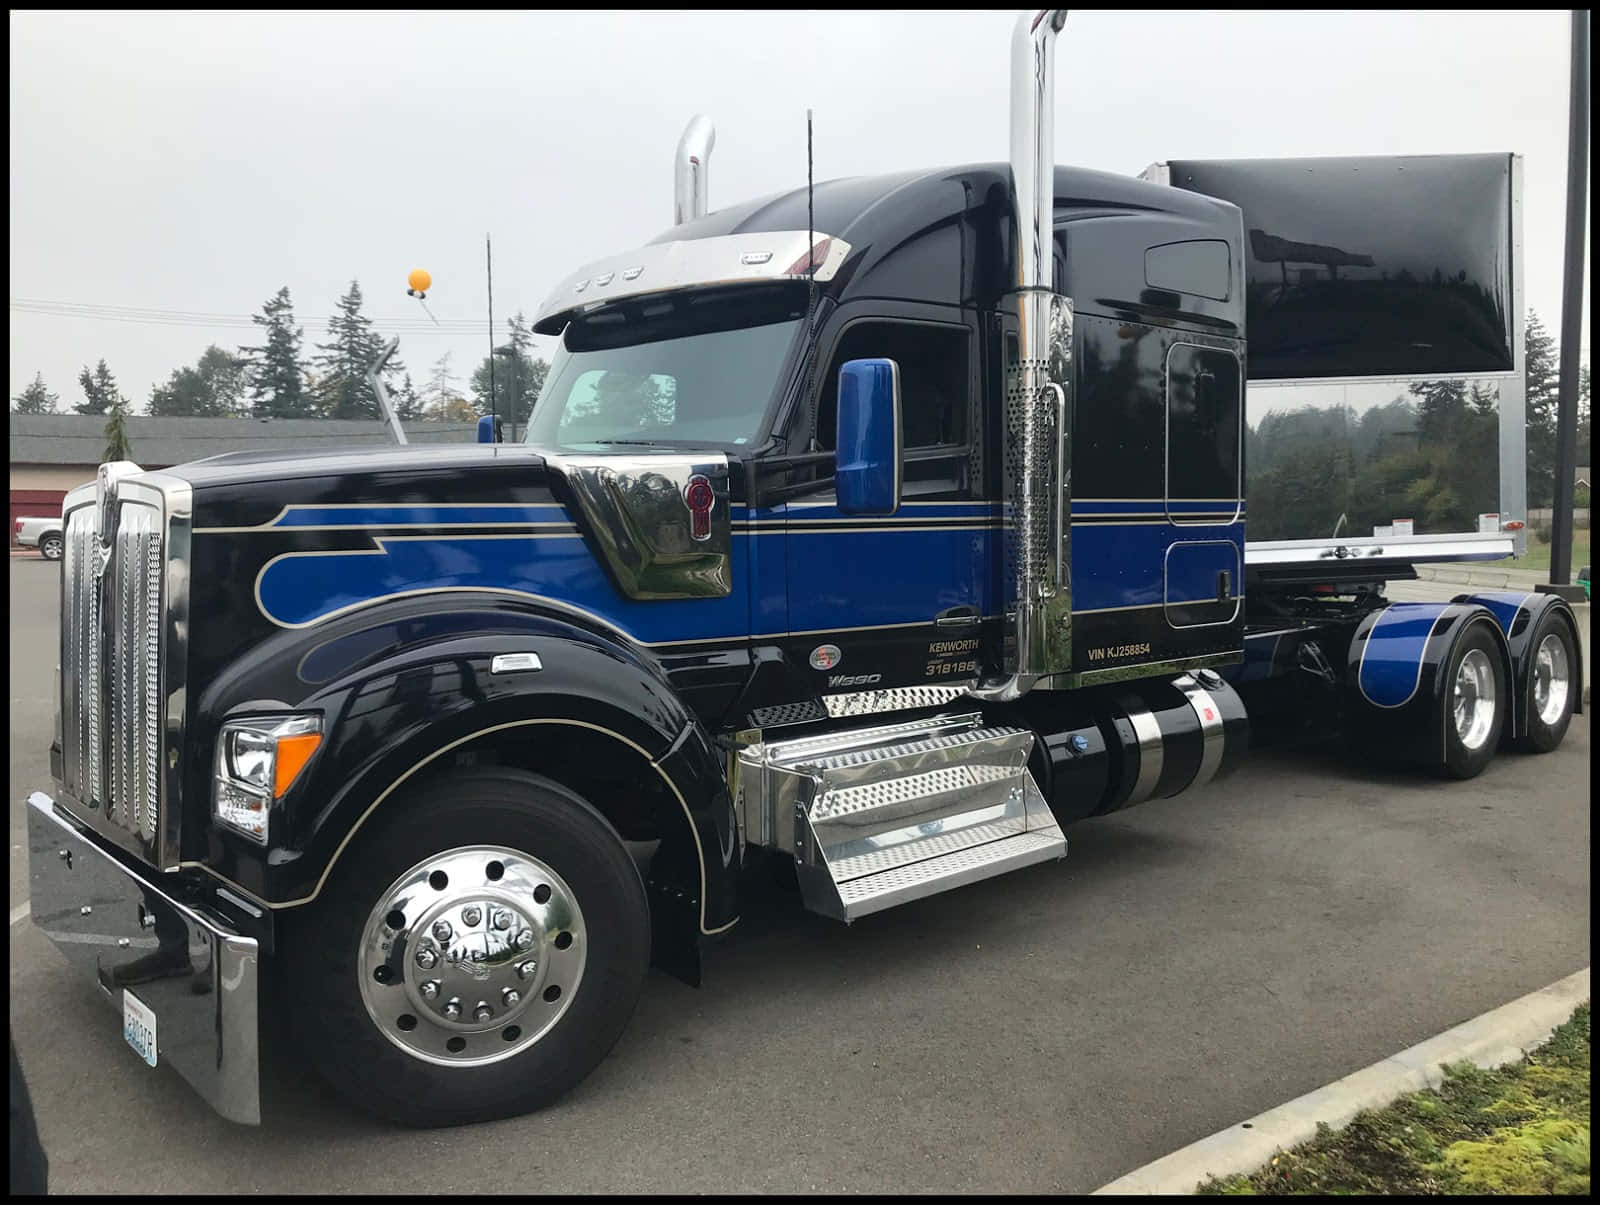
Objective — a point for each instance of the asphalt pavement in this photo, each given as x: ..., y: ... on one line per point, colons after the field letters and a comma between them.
x: 1192, y: 962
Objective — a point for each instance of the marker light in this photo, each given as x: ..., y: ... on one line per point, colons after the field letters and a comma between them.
x: 258, y: 761
x: 816, y: 255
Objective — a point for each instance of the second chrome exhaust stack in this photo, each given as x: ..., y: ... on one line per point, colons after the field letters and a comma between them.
x: 1038, y: 586
x: 689, y: 170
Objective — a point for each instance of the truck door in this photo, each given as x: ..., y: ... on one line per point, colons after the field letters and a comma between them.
x: 1203, y: 575
x: 896, y: 601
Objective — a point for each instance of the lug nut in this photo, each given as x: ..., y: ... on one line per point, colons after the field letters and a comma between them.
x: 429, y: 988
x: 483, y: 1012
x: 502, y: 919
x: 442, y: 930
x: 452, y: 1008
x: 472, y: 915
x: 525, y: 939
x: 510, y: 996
x: 526, y: 968
x: 427, y: 959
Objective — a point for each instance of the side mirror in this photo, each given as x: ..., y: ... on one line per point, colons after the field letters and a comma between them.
x: 490, y: 430
x: 870, y: 451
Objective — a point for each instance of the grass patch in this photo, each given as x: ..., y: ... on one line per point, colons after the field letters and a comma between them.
x: 1523, y: 1128
x: 1539, y: 554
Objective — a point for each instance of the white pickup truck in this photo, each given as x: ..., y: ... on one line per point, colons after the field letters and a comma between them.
x: 41, y: 533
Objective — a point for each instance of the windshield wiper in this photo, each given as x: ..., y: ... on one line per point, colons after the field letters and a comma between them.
x: 640, y: 443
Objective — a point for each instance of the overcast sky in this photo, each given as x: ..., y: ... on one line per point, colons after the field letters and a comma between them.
x: 198, y: 162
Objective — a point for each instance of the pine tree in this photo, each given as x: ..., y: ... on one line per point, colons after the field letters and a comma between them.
x: 347, y: 357
x: 1543, y: 382
x: 1441, y: 405
x: 99, y: 390
x: 35, y: 399
x: 518, y: 378
x: 117, y: 447
x: 407, y: 404
x: 442, y: 389
x: 1585, y: 450
x: 274, y: 376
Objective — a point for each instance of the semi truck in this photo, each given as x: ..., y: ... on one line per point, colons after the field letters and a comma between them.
x: 870, y: 534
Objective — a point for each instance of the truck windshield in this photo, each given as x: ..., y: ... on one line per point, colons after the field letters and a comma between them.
x: 692, y: 369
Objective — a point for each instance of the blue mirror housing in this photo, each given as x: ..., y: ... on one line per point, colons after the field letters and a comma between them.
x: 870, y: 453
x: 488, y: 430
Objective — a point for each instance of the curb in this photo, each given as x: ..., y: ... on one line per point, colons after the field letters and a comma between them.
x: 1498, y: 1036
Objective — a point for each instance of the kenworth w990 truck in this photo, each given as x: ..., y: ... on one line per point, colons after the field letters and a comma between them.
x: 879, y: 534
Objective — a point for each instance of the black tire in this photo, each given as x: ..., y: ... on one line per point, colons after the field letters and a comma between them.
x: 489, y: 806
x: 50, y: 546
x: 1459, y: 760
x: 1541, y: 736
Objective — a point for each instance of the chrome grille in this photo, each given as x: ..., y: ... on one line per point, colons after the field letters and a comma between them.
x: 111, y: 657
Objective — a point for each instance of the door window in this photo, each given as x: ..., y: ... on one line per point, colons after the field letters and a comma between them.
x: 933, y: 380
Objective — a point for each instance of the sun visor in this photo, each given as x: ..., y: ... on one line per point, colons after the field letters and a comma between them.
x: 1380, y: 266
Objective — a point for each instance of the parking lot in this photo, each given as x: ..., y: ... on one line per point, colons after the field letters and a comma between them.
x: 1192, y: 962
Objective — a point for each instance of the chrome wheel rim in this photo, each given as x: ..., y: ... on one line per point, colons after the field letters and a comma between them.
x: 472, y: 956
x: 1472, y: 703
x: 1551, y: 680
x: 51, y: 549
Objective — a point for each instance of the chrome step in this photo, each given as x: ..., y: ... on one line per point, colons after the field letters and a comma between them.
x: 861, y: 897
x: 879, y: 816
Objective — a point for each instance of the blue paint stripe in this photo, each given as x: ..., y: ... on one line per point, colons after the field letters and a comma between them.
x: 1153, y: 506
x: 418, y: 516
x: 1391, y: 660
x: 908, y: 512
x: 302, y: 588
x: 1505, y: 605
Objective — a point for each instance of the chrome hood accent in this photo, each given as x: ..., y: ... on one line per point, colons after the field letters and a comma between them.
x: 658, y: 521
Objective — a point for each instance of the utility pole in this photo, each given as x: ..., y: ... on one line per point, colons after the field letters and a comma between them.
x: 1571, y: 316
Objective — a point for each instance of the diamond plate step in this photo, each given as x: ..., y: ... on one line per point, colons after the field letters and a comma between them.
x: 875, y: 892
x: 882, y: 815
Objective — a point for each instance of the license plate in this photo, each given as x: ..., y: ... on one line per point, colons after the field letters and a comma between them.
x: 139, y: 1026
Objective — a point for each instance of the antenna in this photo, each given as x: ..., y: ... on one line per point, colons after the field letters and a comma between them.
x: 488, y: 260
x: 811, y: 295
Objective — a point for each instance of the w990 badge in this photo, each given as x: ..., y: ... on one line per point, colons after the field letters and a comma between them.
x: 139, y: 1026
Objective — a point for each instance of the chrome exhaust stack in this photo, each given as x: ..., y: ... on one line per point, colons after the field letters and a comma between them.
x: 690, y: 168
x: 1036, y: 483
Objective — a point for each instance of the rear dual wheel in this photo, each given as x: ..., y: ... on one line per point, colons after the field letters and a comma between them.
x: 1552, y: 686
x: 475, y: 956
x: 1475, y: 701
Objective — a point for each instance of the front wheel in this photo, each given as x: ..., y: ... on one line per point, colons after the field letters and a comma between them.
x: 476, y: 956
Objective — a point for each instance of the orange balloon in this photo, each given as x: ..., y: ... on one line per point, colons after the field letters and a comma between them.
x: 419, y: 280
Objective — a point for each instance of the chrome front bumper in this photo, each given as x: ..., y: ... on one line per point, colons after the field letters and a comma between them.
x: 103, y: 917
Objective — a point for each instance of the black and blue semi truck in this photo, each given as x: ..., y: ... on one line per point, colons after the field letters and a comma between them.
x: 881, y: 533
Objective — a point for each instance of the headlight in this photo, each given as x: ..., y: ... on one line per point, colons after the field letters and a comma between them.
x: 257, y: 761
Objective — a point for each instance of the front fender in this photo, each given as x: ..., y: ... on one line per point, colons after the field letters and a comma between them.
x: 404, y: 684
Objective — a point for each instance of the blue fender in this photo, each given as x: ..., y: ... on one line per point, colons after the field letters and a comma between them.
x: 1395, y: 671
x: 1520, y: 615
